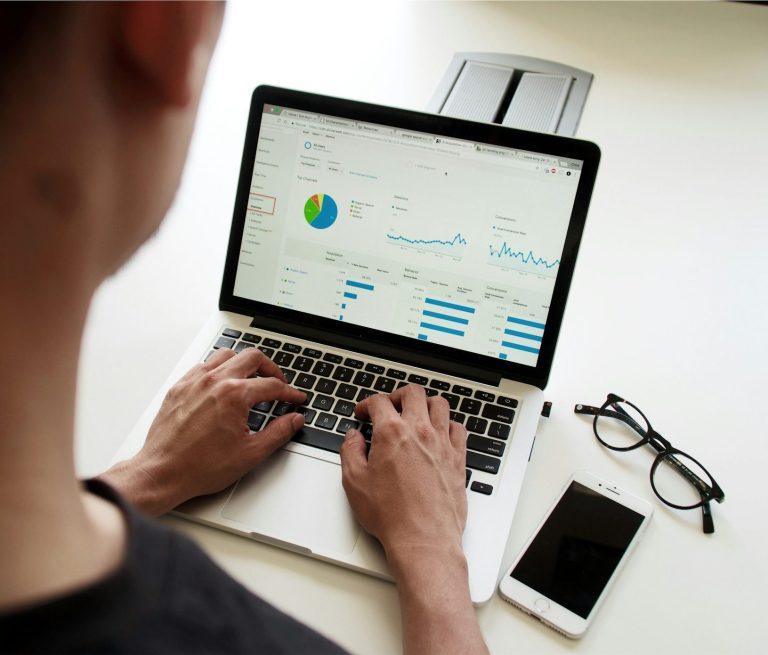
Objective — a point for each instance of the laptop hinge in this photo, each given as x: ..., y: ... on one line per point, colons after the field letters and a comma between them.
x: 367, y: 347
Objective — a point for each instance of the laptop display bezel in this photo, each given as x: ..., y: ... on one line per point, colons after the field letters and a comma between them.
x: 376, y: 342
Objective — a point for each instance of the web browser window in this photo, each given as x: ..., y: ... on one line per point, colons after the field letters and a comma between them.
x: 434, y: 238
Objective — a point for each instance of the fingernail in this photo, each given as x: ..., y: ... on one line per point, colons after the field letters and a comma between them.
x: 298, y: 421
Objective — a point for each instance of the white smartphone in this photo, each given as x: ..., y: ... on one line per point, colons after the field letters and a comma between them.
x: 566, y: 568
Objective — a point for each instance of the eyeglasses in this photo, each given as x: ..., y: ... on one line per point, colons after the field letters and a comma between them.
x: 677, y: 479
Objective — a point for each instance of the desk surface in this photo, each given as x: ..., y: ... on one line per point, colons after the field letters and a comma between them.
x: 672, y: 277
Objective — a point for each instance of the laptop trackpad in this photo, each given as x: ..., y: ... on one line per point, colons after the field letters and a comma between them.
x: 297, y: 499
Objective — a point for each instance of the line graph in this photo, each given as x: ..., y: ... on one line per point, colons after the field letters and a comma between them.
x: 507, y: 256
x: 453, y: 247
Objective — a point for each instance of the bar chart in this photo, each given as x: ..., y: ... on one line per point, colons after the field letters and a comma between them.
x: 521, y: 335
x: 441, y: 317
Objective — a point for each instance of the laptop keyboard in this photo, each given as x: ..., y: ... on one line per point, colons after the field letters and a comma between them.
x: 334, y: 384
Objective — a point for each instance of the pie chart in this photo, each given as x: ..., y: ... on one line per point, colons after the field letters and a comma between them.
x: 321, y: 211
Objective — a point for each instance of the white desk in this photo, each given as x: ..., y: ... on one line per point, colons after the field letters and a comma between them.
x: 668, y: 305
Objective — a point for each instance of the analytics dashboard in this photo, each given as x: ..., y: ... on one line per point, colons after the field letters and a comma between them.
x: 438, y: 239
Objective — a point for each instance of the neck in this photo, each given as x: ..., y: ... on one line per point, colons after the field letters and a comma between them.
x: 53, y: 537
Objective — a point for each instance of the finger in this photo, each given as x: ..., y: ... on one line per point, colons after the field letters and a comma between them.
x: 439, y: 413
x: 250, y: 361
x: 353, y: 458
x: 217, y: 359
x: 412, y: 400
x: 375, y: 408
x: 457, y: 433
x: 274, y: 436
x: 261, y: 389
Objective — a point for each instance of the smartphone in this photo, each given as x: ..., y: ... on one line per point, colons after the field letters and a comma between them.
x: 566, y: 568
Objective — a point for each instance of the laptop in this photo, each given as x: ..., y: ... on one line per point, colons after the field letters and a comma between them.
x: 373, y: 247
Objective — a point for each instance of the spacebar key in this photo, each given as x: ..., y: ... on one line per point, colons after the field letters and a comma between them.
x: 319, y: 438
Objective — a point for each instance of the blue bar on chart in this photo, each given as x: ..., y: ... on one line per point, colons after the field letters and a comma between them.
x: 359, y: 285
x: 351, y: 296
x: 524, y: 336
x: 422, y: 337
x: 451, y: 318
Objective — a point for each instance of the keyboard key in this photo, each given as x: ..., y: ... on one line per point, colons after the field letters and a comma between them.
x: 255, y: 421
x: 243, y: 345
x: 430, y: 392
x: 496, y: 413
x: 401, y: 384
x: 282, y: 408
x: 272, y: 343
x: 319, y: 438
x: 469, y: 475
x: 312, y: 352
x: 346, y: 391
x: 374, y: 368
x: 498, y: 430
x: 289, y: 374
x: 440, y: 385
x: 453, y: 400
x: 365, y: 393
x: 323, y: 402
x: 346, y: 424
x: 343, y: 374
x: 470, y: 406
x: 309, y: 414
x: 396, y: 374
x: 483, y: 445
x: 475, y: 424
x: 462, y: 391
x: 283, y: 358
x: 223, y: 342
x: 267, y: 351
x: 367, y: 430
x: 229, y: 332
x: 458, y: 417
x: 482, y: 462
x: 326, y: 421
x: 485, y: 396
x: 294, y: 348
x: 326, y: 386
x: 417, y: 379
x: 344, y: 408
x: 303, y: 363
x: 264, y: 407
x: 353, y: 363
x: 384, y: 385
x: 309, y: 397
x: 363, y: 379
x: 482, y: 488
x: 251, y: 338
x: 305, y: 381
x: 323, y: 369
x: 332, y: 358
x: 507, y: 402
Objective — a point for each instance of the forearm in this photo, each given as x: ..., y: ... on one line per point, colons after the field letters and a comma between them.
x: 139, y: 486
x: 437, y: 612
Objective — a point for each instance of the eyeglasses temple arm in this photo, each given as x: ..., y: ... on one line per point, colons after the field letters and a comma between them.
x: 706, y: 515
x: 618, y: 413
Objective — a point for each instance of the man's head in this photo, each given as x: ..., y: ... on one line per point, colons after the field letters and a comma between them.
x: 97, y: 107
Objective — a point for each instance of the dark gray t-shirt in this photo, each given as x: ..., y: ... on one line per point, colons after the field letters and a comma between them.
x: 167, y: 597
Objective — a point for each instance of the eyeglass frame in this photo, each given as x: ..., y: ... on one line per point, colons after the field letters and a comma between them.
x: 665, y: 451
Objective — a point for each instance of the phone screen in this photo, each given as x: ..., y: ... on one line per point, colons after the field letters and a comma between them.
x: 578, y: 548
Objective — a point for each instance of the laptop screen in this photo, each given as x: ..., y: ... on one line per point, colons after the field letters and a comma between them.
x: 438, y: 239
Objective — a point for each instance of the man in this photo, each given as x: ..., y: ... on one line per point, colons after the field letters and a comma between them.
x: 98, y: 106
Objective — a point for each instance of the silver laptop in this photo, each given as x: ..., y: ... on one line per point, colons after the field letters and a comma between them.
x: 373, y: 247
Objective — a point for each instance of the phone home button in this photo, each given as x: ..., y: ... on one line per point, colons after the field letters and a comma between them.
x: 541, y: 605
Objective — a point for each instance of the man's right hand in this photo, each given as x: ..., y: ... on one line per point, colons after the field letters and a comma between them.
x: 409, y: 493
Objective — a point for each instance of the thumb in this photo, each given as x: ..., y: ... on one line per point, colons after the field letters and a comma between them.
x: 353, y: 453
x: 274, y: 436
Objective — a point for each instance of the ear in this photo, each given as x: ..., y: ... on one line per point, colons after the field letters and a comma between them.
x: 160, y: 42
